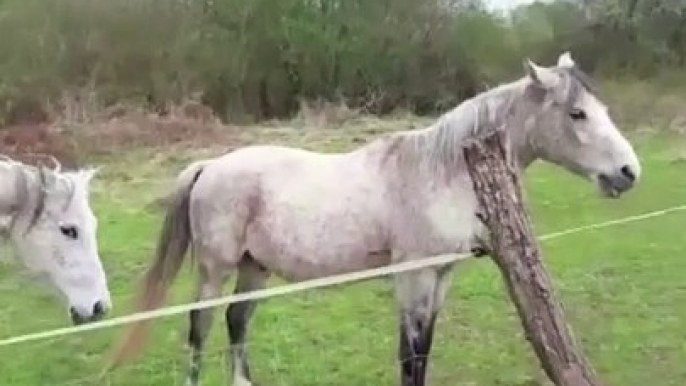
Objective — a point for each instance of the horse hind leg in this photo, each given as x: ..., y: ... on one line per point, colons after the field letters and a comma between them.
x: 421, y: 295
x: 211, y: 279
x: 251, y: 277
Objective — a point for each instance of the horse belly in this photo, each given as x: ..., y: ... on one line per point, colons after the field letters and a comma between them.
x: 310, y: 251
x: 319, y: 216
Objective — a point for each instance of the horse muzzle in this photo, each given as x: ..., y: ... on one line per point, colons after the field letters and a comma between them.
x: 613, y: 186
x: 78, y: 317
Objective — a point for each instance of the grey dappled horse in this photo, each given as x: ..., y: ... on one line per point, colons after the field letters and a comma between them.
x: 45, y: 216
x: 405, y: 196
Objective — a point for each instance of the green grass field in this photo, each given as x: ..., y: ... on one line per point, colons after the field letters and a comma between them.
x: 624, y: 290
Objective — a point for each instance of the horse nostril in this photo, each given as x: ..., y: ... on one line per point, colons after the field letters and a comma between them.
x: 76, y: 318
x: 626, y: 172
x: 98, y: 309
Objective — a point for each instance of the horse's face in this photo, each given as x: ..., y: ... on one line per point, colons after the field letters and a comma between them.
x: 62, y: 245
x: 573, y: 129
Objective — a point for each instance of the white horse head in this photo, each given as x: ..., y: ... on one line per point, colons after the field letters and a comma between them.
x: 574, y: 129
x: 48, y: 221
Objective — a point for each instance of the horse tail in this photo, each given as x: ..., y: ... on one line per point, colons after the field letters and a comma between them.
x: 172, y: 245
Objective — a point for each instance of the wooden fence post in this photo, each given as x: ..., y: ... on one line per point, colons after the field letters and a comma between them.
x: 515, y: 250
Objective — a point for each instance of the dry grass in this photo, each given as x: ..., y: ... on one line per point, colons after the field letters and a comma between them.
x: 645, y: 105
x: 81, y: 129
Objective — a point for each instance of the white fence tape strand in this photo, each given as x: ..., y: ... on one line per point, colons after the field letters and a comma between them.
x: 307, y: 285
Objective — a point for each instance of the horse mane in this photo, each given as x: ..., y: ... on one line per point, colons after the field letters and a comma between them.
x: 504, y: 107
x: 440, y: 144
x: 583, y: 78
x: 32, y: 189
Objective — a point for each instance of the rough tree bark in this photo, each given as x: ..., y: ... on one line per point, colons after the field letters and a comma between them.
x: 515, y: 250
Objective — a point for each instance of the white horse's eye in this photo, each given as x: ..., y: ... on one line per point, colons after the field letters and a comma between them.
x: 69, y: 231
x: 577, y: 114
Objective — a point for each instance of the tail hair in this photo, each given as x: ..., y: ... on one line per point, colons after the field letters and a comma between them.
x: 172, y: 245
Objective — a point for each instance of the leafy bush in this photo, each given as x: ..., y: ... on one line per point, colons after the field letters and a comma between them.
x: 256, y: 59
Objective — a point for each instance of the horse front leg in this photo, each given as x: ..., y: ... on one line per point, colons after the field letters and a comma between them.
x: 421, y: 295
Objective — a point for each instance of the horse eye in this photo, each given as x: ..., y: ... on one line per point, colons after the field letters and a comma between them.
x: 577, y: 114
x: 69, y: 232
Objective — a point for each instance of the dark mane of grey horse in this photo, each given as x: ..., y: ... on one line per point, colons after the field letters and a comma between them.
x: 584, y: 79
x: 578, y: 81
x: 30, y: 178
x: 25, y: 199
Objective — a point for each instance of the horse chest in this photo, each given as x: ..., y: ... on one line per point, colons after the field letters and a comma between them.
x: 450, y: 219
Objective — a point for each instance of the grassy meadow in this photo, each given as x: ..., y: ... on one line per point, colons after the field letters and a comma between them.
x: 623, y: 289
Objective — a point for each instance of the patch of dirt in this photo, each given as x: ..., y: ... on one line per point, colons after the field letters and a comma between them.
x: 134, y: 131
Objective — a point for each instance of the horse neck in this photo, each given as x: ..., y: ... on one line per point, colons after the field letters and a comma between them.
x: 521, y: 147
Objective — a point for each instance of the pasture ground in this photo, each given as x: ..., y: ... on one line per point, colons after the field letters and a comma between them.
x: 623, y: 289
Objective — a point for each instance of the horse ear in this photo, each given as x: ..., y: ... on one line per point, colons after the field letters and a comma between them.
x: 89, y: 173
x: 540, y: 75
x: 565, y: 60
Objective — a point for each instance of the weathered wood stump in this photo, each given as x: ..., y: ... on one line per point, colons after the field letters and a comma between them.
x: 515, y: 250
